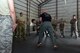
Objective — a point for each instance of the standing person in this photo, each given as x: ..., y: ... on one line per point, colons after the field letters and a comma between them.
x: 21, y: 25
x: 7, y: 25
x: 54, y: 24
x: 73, y: 23
x: 46, y: 26
x: 61, y: 27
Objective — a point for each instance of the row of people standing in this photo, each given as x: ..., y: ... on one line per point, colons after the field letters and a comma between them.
x: 61, y: 23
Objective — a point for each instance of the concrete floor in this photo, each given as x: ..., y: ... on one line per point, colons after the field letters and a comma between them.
x: 67, y: 45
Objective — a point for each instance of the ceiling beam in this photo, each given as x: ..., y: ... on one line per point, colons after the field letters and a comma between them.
x: 35, y: 2
x: 38, y: 1
x: 45, y: 2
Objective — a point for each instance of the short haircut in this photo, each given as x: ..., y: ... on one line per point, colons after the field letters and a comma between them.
x: 32, y: 20
x: 21, y: 13
x: 74, y: 15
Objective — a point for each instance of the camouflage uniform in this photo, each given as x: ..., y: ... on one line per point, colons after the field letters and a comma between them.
x: 6, y: 34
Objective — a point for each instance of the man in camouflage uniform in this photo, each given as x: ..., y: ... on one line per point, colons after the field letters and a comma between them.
x: 7, y: 25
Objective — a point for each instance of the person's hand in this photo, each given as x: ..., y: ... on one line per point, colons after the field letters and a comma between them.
x: 14, y: 26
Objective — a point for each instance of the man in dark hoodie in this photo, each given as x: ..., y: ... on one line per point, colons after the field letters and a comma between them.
x: 46, y: 26
x: 73, y: 26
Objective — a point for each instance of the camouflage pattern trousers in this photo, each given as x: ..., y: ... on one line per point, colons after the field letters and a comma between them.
x: 6, y: 34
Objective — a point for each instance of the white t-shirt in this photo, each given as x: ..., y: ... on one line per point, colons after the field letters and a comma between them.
x: 4, y: 7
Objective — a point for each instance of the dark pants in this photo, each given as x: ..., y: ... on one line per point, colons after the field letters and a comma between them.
x: 55, y: 27
x: 46, y: 26
x: 73, y: 30
x: 62, y: 32
x: 34, y: 28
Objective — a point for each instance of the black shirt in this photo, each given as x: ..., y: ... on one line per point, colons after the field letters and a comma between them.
x: 72, y: 22
x: 45, y: 17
